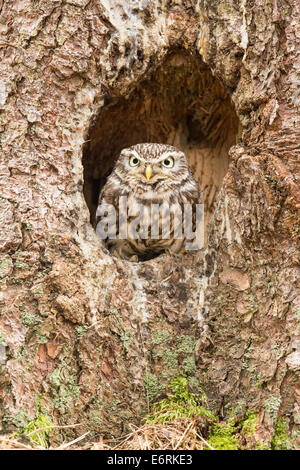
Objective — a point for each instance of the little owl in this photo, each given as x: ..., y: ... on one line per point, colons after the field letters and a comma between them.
x: 150, y: 176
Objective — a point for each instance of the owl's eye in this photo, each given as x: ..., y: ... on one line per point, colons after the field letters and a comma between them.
x: 168, y: 162
x: 133, y: 160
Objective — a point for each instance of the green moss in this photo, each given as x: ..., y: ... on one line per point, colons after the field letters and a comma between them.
x: 180, y: 404
x: 175, y: 357
x: 41, y: 437
x: 222, y: 436
x: 281, y: 440
x: 262, y: 446
x: 249, y: 424
x: 42, y: 424
x: 26, y: 424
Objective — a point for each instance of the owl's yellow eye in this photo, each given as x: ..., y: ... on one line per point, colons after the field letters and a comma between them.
x: 133, y: 160
x: 168, y: 162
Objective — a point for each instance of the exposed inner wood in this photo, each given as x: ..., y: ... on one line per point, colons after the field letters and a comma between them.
x: 182, y: 104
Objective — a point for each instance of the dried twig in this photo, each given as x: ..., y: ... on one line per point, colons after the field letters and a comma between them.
x: 54, y: 427
x: 17, y: 443
x: 68, y: 444
x: 183, y: 435
x: 205, y: 442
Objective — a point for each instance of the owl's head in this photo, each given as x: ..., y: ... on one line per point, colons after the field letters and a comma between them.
x: 152, y: 166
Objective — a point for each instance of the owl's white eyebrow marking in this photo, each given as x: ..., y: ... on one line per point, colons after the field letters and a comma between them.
x: 164, y: 155
x: 161, y: 157
x: 168, y: 154
x: 130, y: 153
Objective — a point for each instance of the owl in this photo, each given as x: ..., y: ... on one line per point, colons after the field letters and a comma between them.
x: 143, y: 200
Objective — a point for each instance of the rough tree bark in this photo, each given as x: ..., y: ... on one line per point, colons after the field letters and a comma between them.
x: 94, y: 339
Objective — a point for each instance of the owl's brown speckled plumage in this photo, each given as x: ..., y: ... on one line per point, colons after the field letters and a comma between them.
x: 150, y: 181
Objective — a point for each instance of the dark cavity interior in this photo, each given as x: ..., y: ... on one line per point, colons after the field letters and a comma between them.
x: 181, y: 103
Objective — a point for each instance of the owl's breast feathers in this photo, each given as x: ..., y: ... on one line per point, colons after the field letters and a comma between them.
x: 144, y: 246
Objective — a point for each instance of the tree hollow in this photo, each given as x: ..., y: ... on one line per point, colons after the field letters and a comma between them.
x: 180, y: 103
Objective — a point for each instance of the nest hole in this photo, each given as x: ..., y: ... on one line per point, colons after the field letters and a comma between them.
x: 182, y: 104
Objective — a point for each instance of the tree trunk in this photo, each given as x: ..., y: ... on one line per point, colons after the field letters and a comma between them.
x: 91, y: 339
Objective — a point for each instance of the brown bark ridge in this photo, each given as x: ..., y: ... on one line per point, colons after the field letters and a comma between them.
x: 94, y: 339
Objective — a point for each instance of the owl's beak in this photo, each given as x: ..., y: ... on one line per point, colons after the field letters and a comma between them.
x: 148, y: 172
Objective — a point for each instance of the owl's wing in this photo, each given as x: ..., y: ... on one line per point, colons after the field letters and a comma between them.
x: 106, y: 213
x: 192, y: 194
